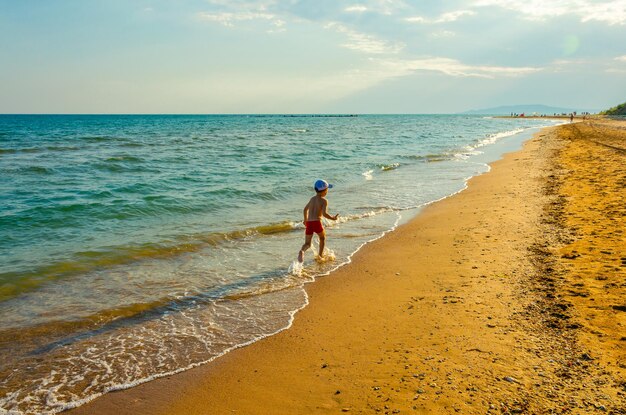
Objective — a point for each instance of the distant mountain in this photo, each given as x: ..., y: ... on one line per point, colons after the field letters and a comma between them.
x: 527, y: 109
x: 619, y: 110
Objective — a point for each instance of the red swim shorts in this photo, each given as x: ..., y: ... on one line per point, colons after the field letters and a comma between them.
x: 313, y: 226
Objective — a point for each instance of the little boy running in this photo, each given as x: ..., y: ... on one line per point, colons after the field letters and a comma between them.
x: 313, y: 212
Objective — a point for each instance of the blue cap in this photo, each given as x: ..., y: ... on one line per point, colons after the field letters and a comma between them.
x: 322, y: 185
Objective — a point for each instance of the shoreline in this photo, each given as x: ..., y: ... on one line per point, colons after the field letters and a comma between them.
x: 341, y: 353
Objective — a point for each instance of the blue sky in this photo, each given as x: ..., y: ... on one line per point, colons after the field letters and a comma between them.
x: 317, y: 56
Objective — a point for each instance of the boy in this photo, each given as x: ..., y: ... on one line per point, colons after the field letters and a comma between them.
x: 313, y: 212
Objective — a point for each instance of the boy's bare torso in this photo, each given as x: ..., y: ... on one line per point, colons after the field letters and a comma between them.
x: 317, y: 207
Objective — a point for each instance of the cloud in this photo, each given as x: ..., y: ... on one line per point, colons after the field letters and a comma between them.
x: 229, y: 19
x: 620, y: 69
x: 279, y: 27
x: 443, y: 18
x: 337, y: 85
x: 611, y: 12
x: 455, y: 68
x: 363, y: 42
x: 454, y: 16
x: 571, y: 62
x: 416, y: 19
x: 343, y: 83
x: 243, y: 4
x: 442, y: 34
x: 357, y: 8
x: 384, y: 7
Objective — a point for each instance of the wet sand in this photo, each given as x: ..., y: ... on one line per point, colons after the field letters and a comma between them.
x: 509, y: 297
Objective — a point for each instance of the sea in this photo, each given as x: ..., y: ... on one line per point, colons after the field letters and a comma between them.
x: 137, y: 246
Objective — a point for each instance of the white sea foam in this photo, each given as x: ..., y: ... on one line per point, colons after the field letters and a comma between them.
x: 295, y: 268
x: 473, y: 149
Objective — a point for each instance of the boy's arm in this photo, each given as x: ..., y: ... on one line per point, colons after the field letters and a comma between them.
x: 305, y: 212
x: 325, y: 213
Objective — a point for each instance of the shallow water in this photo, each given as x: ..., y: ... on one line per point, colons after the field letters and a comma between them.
x: 138, y: 246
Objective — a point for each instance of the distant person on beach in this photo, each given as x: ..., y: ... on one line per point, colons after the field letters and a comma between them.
x: 313, y: 212
x: 571, y: 118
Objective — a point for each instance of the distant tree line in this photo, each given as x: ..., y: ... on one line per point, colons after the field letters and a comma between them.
x: 618, y: 110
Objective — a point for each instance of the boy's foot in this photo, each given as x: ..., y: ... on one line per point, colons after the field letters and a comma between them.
x: 300, y: 256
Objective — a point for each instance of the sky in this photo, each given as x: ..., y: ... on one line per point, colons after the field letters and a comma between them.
x: 313, y: 56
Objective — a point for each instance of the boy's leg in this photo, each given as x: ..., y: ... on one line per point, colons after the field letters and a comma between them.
x: 322, y: 236
x: 307, y: 245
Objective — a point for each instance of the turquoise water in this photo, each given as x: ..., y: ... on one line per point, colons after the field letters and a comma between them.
x: 138, y: 246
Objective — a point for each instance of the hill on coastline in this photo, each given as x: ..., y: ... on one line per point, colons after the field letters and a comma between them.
x: 618, y: 110
x: 526, y: 109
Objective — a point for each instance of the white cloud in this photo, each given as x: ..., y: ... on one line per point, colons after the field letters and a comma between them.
x: 442, y: 34
x: 363, y: 42
x: 279, y: 26
x: 571, y: 62
x: 344, y: 83
x: 229, y: 19
x: 444, y: 18
x: 387, y: 7
x: 379, y: 70
x: 454, y: 16
x: 416, y: 19
x: 620, y: 69
x: 244, y: 4
x: 612, y: 12
x: 453, y: 67
x: 285, y: 90
x: 384, y: 7
x: 357, y: 8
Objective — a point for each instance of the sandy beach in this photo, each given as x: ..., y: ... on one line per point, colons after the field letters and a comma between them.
x: 509, y: 297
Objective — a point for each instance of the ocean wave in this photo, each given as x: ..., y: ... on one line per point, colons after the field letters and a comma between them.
x: 492, y: 138
x: 101, y: 206
x: 99, y: 138
x: 357, y: 216
x: 132, y: 144
x: 17, y: 150
x: 388, y: 167
x: 63, y: 332
x: 16, y: 283
x: 242, y: 194
x: 33, y: 170
x: 124, y: 158
x: 169, y: 344
x: 116, y: 165
x: 19, y: 282
x: 474, y: 148
x: 431, y: 158
x: 38, y: 149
